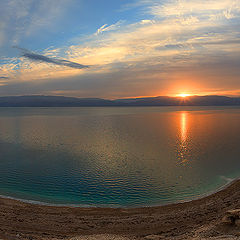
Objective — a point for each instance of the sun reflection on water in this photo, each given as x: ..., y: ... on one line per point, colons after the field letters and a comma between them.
x: 183, y: 127
x: 183, y: 146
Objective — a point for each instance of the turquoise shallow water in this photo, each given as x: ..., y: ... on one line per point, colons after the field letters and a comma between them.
x: 117, y: 156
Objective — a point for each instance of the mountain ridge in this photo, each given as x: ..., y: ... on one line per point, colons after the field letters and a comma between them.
x: 62, y: 101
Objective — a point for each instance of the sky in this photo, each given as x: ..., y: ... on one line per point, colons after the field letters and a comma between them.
x: 119, y: 49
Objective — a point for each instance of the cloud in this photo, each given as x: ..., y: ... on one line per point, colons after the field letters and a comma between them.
x: 168, y: 47
x: 42, y: 58
x: 147, y: 21
x: 101, y: 29
x: 21, y: 19
x: 4, y: 77
x: 197, y: 9
x: 106, y: 28
x: 137, y: 81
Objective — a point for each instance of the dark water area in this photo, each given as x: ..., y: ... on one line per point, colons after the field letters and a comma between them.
x: 117, y: 157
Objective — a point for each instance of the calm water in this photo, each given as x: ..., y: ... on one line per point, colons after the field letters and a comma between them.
x: 117, y: 156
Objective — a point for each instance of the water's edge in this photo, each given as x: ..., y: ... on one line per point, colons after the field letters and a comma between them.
x: 33, y: 202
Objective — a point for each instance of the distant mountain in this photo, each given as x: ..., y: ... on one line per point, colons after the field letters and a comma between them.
x: 60, y: 101
x: 211, y: 100
x: 51, y: 101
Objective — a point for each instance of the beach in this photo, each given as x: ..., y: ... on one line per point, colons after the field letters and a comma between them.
x: 197, y: 219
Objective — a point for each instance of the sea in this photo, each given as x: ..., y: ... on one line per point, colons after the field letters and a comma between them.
x: 117, y: 156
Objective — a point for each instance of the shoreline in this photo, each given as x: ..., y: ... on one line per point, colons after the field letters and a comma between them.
x: 172, y: 221
x: 40, y: 203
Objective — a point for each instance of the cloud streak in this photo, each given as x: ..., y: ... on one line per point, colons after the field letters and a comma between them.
x: 171, y: 45
x: 42, y: 58
x: 106, y: 28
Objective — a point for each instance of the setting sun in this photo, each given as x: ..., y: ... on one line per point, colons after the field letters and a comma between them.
x: 183, y: 95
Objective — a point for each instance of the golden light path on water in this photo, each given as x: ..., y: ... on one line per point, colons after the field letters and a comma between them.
x: 183, y: 126
x: 117, y: 156
x: 183, y: 141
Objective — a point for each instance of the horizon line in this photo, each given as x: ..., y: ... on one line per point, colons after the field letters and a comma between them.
x: 138, y: 97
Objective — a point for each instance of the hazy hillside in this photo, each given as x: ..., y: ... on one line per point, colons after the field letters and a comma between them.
x: 60, y: 101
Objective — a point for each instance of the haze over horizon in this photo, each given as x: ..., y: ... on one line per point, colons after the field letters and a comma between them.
x: 119, y: 49
x: 178, y: 96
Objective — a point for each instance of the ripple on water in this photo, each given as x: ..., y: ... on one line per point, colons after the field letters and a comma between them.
x: 143, y: 158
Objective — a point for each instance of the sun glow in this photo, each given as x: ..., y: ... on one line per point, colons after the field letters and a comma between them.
x: 183, y: 95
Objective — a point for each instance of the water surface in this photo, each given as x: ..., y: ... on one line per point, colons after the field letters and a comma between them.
x: 117, y: 156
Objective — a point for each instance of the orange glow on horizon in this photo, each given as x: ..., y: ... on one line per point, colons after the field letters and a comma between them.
x: 176, y: 94
x: 183, y: 95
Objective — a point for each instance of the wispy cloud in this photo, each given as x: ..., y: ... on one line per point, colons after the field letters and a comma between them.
x: 24, y: 18
x: 42, y: 58
x: 106, y: 28
x: 147, y: 21
x: 177, y: 43
x: 178, y: 8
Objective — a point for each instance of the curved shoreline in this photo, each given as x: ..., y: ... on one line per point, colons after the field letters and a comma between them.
x: 36, y: 202
x: 31, y: 221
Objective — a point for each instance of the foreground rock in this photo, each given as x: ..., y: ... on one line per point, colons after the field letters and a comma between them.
x: 232, y: 217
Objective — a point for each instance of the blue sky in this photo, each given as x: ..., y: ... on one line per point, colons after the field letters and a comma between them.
x: 119, y: 48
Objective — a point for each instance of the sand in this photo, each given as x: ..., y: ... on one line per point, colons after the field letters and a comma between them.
x: 198, y: 219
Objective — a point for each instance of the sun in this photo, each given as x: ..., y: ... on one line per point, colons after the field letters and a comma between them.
x: 183, y: 95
